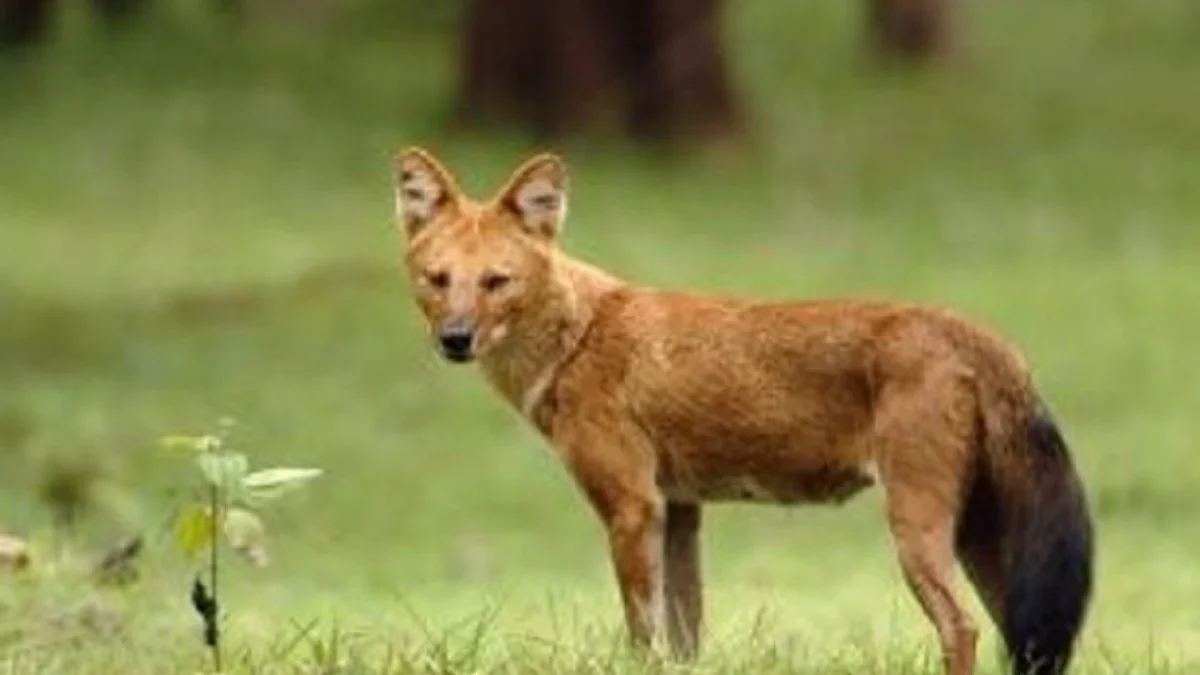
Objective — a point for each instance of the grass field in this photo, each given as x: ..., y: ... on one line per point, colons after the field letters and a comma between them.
x: 195, y: 225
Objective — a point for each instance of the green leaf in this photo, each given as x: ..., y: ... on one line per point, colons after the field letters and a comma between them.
x: 279, y: 476
x: 193, y: 529
x: 247, y: 535
x: 269, y: 484
x: 224, y: 468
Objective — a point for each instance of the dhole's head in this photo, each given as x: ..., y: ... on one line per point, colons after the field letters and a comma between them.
x: 477, y: 267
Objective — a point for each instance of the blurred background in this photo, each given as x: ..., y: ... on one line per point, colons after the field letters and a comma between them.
x: 195, y: 223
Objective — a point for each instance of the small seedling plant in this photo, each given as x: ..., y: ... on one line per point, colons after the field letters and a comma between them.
x: 227, y: 505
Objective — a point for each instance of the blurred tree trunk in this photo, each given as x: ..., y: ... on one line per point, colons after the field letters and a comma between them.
x: 23, y: 22
x: 557, y: 66
x: 26, y: 22
x: 910, y: 30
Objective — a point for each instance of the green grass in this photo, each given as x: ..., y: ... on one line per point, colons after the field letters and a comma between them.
x: 195, y: 225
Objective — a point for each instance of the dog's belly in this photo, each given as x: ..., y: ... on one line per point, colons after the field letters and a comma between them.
x: 767, y: 470
x: 827, y: 486
x: 730, y: 443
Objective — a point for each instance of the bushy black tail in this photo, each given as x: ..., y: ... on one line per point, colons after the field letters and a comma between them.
x: 1026, y: 525
x: 1049, y: 580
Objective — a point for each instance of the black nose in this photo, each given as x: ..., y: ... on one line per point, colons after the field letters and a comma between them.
x: 456, y: 339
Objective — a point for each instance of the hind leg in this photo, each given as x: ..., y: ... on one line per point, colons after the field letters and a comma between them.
x: 924, y: 546
x: 923, y: 435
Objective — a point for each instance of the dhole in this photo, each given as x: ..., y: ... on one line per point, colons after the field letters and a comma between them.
x: 658, y: 402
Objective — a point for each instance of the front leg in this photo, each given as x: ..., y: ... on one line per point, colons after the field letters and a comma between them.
x: 635, y: 538
x: 616, y: 467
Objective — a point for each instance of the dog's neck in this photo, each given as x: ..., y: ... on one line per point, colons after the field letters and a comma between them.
x: 527, y: 363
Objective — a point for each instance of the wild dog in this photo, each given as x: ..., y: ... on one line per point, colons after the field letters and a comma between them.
x: 660, y: 401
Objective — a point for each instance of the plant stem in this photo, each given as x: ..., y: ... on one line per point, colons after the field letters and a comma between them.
x: 213, y: 569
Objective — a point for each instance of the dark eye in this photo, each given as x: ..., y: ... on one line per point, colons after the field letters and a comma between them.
x: 494, y: 281
x: 438, y: 279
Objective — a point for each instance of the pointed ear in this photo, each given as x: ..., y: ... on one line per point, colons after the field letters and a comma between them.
x: 424, y: 189
x: 537, y: 193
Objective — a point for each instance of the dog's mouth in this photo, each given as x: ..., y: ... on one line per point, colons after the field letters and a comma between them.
x: 458, y: 355
x: 456, y: 342
x: 466, y: 350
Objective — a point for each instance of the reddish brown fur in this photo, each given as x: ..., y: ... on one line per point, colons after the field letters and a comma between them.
x: 659, y: 401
